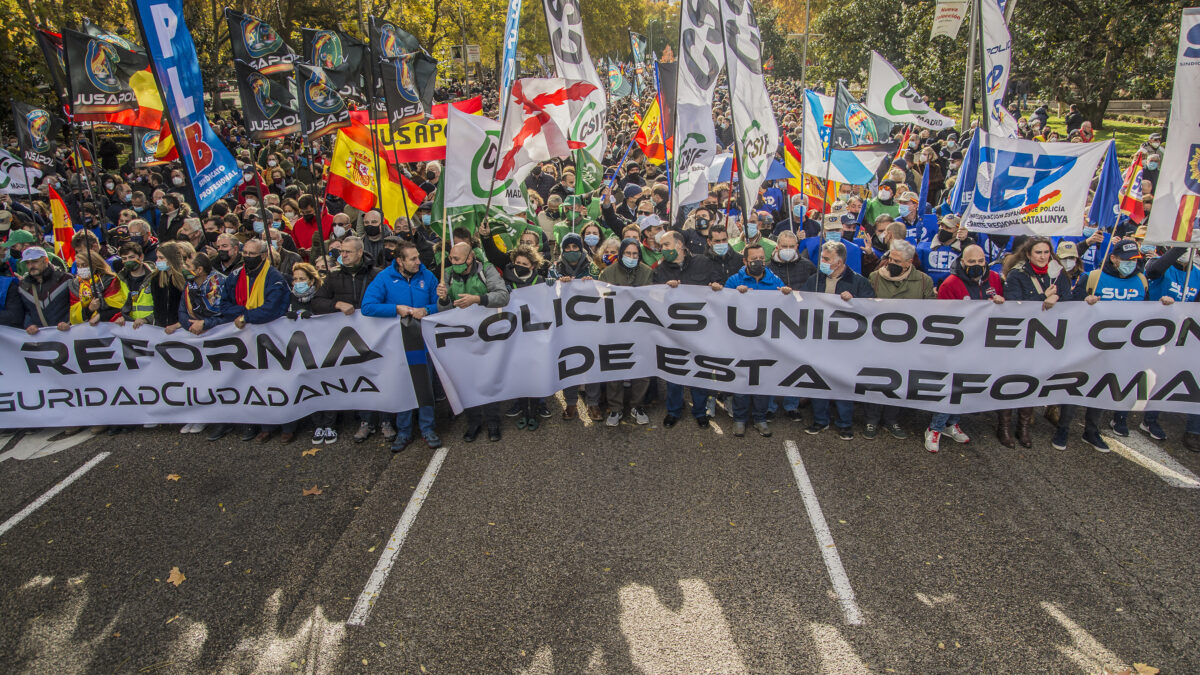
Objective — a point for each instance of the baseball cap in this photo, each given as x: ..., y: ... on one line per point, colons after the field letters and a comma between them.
x: 951, y: 219
x: 900, y: 163
x: 1067, y: 249
x: 650, y: 221
x: 20, y: 237
x: 909, y: 197
x: 1156, y: 136
x: 1127, y: 250
x: 33, y: 253
x: 5, y: 221
x: 832, y: 221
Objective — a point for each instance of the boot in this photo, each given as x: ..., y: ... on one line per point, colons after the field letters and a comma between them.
x: 1004, y: 428
x: 1052, y: 414
x: 1024, y: 425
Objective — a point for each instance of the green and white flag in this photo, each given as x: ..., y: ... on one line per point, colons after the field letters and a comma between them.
x: 890, y: 95
x: 756, y: 136
x: 471, y: 155
x: 695, y: 145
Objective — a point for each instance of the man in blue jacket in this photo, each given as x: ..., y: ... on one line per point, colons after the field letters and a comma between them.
x: 407, y: 290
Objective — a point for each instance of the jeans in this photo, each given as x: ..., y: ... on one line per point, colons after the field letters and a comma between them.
x: 942, y: 420
x: 591, y: 394
x: 1091, y: 418
x: 890, y: 414
x: 675, y: 401
x: 789, y: 403
x: 1193, y: 424
x: 746, y: 406
x: 845, y: 412
x: 404, y: 422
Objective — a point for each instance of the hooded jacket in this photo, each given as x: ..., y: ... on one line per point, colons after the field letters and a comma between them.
x: 959, y: 286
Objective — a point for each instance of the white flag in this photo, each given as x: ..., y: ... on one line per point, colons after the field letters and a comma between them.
x: 537, y: 121
x: 1175, y: 218
x: 472, y: 149
x: 997, y: 62
x: 756, y: 134
x: 890, y: 95
x: 700, y: 62
x: 948, y: 17
x: 573, y: 62
x: 13, y: 174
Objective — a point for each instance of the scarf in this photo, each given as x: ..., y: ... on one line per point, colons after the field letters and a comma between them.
x: 307, y: 296
x: 247, y: 296
x: 883, y: 272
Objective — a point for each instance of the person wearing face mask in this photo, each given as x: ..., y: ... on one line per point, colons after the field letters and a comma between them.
x: 96, y: 294
x: 341, y: 229
x: 884, y: 202
x: 695, y: 230
x: 252, y: 189
x: 550, y: 217
x: 787, y: 263
x: 651, y: 227
x: 309, y: 226
x: 753, y: 234
x: 909, y: 214
x: 255, y: 294
x: 628, y: 271
x: 42, y: 291
x: 833, y: 230
x: 721, y: 253
x: 162, y: 290
x: 172, y: 214
x: 1068, y: 256
x: 522, y: 272
x: 834, y: 276
x: 1150, y: 171
x: 631, y: 194
x: 21, y: 240
x: 539, y: 181
x: 374, y: 232
x: 971, y: 279
x: 470, y: 281
x: 574, y: 264
x: 937, y: 256
x: 122, y: 199
x: 135, y: 274
x: 229, y: 256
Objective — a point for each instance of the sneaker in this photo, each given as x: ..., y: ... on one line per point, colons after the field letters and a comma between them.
x: 388, y: 430
x: 897, y: 431
x: 870, y: 431
x: 815, y: 429
x: 1119, y: 427
x: 639, y: 415
x: 958, y: 434
x: 318, y: 436
x: 542, y: 410
x: 330, y: 436
x: 739, y: 428
x: 199, y: 427
x: 1059, y: 442
x: 517, y: 408
x: 1154, y: 431
x: 249, y: 433
x: 432, y: 440
x: 846, y: 434
x: 1192, y: 442
x: 400, y: 443
x: 795, y: 415
x: 149, y: 426
x: 1093, y: 439
x: 364, y: 432
x: 763, y: 429
x: 933, y: 440
x: 614, y: 418
x: 186, y: 429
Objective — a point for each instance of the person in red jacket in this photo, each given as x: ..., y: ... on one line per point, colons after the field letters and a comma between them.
x: 306, y: 226
x: 970, y: 279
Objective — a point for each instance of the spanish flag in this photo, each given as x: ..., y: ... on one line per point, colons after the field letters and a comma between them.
x: 649, y: 135
x: 1131, y: 192
x: 149, y: 111
x: 1185, y: 218
x: 64, y: 229
x: 352, y: 177
x: 166, y: 150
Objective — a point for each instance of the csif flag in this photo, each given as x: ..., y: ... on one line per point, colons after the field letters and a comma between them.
x: 695, y: 145
x: 257, y: 44
x: 339, y: 55
x: 472, y: 150
x: 572, y: 61
x: 322, y: 109
x: 538, y: 118
x: 36, y: 131
x: 889, y: 95
x: 268, y: 107
x: 756, y: 134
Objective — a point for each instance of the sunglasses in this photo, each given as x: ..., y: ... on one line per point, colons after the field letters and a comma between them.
x: 644, y: 213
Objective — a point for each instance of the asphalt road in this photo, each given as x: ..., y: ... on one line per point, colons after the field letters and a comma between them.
x: 579, y: 548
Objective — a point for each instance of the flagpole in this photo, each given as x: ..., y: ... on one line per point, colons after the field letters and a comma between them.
x: 829, y: 161
x: 371, y: 125
x: 487, y: 209
x: 662, y: 131
x: 674, y: 125
x: 12, y: 104
x: 985, y: 117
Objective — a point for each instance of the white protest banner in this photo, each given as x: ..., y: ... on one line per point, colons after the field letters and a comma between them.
x: 13, y: 175
x: 948, y: 17
x: 572, y: 61
x: 700, y: 60
x: 997, y: 64
x: 1175, y: 218
x: 935, y: 355
x: 472, y: 150
x: 890, y: 95
x: 1026, y: 187
x: 262, y: 374
x: 756, y: 135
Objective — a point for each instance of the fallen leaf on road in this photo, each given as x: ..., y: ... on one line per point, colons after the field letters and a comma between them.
x: 1143, y: 669
x: 382, y: 644
x: 310, y: 452
x: 371, y: 550
x: 173, y: 476
x: 172, y: 618
x: 941, y: 645
x: 314, y: 490
x: 176, y: 577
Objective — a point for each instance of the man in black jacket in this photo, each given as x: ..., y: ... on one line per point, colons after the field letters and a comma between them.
x: 680, y: 267
x: 342, y: 291
x: 44, y: 292
x: 726, y: 261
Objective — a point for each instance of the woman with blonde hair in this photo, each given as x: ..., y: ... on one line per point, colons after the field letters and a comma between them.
x: 96, y: 294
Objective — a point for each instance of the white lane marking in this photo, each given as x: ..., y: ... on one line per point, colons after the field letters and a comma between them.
x: 38, y: 444
x: 366, y: 599
x: 62, y: 485
x: 833, y: 562
x: 1085, y: 650
x: 1145, y: 453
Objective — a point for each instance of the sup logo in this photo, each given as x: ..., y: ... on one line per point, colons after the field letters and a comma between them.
x: 100, y: 66
x: 320, y: 96
x: 39, y: 123
x: 327, y: 49
x: 1020, y: 179
x: 260, y: 38
x: 261, y: 88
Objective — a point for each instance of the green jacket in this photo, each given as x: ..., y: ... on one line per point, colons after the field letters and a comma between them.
x: 619, y: 275
x: 916, y: 286
x: 739, y: 245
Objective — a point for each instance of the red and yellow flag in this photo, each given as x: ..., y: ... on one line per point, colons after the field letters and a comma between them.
x: 1131, y: 192
x: 64, y: 229
x: 1185, y: 219
x: 649, y: 135
x: 352, y: 177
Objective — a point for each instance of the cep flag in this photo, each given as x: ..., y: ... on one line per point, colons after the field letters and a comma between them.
x: 339, y: 55
x: 322, y: 108
x: 36, y: 130
x: 212, y: 170
x: 268, y: 107
x: 256, y: 42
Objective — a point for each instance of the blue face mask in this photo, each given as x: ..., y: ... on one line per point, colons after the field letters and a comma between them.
x: 259, y: 227
x: 301, y: 287
x: 425, y: 219
x: 751, y: 230
x: 721, y: 248
x: 905, y: 209
x: 161, y: 265
x: 798, y: 210
x: 835, y: 235
x: 629, y: 262
x: 591, y: 239
x: 1089, y: 231
x: 1147, y: 249
x: 1127, y: 267
x: 825, y: 268
x: 339, y: 260
x: 1153, y: 166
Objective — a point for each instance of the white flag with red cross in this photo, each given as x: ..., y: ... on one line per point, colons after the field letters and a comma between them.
x: 537, y: 122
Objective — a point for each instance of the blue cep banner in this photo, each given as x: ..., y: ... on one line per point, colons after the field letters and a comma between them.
x: 211, y: 168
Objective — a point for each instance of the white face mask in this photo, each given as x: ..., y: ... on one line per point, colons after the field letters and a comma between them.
x: 84, y: 273
x: 885, y: 194
x: 1068, y: 264
x: 177, y: 180
x: 271, y: 162
x: 339, y: 231
x: 787, y: 254
x: 251, y: 202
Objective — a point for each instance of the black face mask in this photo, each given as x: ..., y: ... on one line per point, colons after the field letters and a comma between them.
x: 252, y: 263
x: 895, y: 269
x: 388, y: 255
x: 553, y: 213
x: 223, y: 256
x: 975, y: 271
x: 211, y: 237
x: 701, y: 224
x: 756, y: 268
x: 879, y: 242
x: 372, y: 230
x: 522, y: 272
x: 944, y: 236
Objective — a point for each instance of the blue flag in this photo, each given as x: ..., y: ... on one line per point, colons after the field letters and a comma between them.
x: 964, y: 187
x: 211, y: 168
x: 923, y: 202
x: 508, y: 70
x: 1106, y: 205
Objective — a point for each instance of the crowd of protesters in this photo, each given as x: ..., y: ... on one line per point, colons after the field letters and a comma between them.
x: 278, y: 248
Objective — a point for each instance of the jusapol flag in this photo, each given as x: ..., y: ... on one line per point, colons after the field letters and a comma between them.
x: 538, y: 117
x: 352, y: 177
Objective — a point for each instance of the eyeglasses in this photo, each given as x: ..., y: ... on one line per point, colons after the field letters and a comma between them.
x: 644, y: 213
